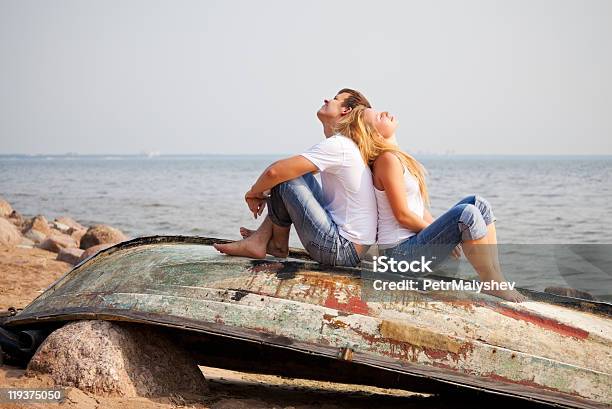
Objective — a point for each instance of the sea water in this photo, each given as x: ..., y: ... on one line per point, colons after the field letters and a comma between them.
x: 536, y: 199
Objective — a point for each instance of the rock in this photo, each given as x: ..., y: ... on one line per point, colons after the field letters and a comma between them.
x: 17, y: 219
x: 38, y: 223
x: 36, y: 236
x: 5, y: 208
x: 70, y: 222
x: 9, y: 234
x: 113, y: 359
x: 25, y: 242
x: 77, y: 234
x: 92, y: 251
x: 101, y: 234
x: 56, y: 242
x: 61, y: 227
x: 70, y: 255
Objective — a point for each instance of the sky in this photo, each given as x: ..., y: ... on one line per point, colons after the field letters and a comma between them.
x: 247, y: 77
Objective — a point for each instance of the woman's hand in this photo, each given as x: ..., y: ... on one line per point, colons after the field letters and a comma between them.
x: 256, y: 202
x: 456, y: 253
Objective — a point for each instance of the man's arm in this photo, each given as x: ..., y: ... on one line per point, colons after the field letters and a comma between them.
x: 281, y: 171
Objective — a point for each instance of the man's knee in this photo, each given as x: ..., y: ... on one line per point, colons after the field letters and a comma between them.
x: 284, y: 186
x: 297, y: 188
x: 281, y: 189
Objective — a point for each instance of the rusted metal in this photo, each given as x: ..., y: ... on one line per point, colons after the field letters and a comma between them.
x: 552, y: 352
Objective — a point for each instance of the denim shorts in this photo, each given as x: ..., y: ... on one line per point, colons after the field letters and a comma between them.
x: 300, y: 202
x: 466, y: 220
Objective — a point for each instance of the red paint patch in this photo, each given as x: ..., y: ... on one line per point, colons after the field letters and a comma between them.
x: 437, y: 354
x: 355, y: 305
x: 543, y: 322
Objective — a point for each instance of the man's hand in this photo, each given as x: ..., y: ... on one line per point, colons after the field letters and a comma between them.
x: 256, y: 202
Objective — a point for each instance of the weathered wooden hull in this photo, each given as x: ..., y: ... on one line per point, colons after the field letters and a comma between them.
x: 547, y: 352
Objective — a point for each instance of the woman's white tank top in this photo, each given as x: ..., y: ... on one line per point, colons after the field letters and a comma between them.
x: 390, y: 232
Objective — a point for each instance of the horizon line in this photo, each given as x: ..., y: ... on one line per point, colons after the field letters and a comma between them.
x: 156, y: 155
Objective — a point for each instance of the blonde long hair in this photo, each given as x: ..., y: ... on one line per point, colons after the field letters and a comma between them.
x: 371, y: 145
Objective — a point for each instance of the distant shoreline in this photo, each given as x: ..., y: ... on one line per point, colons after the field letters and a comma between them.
x: 272, y: 156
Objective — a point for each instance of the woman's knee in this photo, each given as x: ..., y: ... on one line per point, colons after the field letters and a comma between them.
x: 485, y: 209
x: 483, y: 206
x: 471, y: 222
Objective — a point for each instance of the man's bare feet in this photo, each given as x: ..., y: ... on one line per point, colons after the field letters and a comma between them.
x: 276, y: 251
x: 272, y: 248
x: 244, y: 232
x: 509, y: 295
x: 245, y: 248
x: 253, y: 246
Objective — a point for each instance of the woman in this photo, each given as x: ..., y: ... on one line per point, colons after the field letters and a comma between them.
x: 406, y: 229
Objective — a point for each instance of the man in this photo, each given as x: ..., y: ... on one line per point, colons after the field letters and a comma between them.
x: 336, y: 222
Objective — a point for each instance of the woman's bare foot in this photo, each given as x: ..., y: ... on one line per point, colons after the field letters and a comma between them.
x: 509, y: 295
x: 272, y: 248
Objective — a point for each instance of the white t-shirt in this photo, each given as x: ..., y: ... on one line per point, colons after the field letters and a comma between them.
x: 347, y: 186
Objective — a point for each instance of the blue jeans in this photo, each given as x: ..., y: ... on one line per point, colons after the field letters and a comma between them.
x: 300, y: 201
x: 466, y: 220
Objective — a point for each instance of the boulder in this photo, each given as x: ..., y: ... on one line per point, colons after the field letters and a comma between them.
x: 70, y: 255
x: 77, y: 234
x: 17, y: 219
x: 92, y: 251
x: 117, y: 359
x: 25, y: 242
x: 5, y: 208
x: 61, y: 227
x: 39, y: 223
x: 70, y: 222
x: 56, y: 242
x: 9, y: 234
x: 36, y: 236
x: 101, y: 234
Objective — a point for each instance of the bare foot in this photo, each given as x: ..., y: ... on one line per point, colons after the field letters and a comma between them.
x: 272, y: 248
x: 244, y: 232
x: 249, y: 247
x: 509, y: 295
x: 277, y: 251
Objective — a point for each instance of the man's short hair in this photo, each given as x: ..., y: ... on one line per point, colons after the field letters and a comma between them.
x: 354, y: 99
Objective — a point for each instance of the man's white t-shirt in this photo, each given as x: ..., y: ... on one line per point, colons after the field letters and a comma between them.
x: 347, y: 186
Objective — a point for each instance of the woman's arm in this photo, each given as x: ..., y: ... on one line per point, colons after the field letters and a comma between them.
x: 390, y: 172
x: 427, y: 216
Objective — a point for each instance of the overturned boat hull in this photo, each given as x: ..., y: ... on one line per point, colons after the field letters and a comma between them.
x: 546, y: 351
